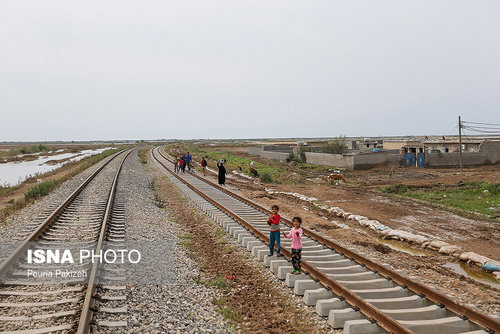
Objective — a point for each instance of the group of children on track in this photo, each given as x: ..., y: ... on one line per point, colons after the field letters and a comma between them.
x: 180, y: 164
x: 295, y: 234
x: 185, y: 161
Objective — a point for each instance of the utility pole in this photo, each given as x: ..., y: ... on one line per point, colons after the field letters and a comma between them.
x: 460, y: 140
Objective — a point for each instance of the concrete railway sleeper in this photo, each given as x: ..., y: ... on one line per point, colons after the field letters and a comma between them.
x: 65, y: 305
x: 355, y: 293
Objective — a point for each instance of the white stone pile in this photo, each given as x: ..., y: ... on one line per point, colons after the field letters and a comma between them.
x: 242, y: 175
x: 429, y: 242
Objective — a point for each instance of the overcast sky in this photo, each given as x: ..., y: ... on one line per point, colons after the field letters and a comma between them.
x: 82, y: 70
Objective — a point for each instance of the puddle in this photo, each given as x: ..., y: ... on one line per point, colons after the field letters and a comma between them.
x: 13, y: 173
x: 316, y: 180
x: 393, y: 244
x: 474, y: 273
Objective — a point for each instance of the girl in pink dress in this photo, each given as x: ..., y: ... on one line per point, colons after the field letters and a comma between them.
x: 296, y: 236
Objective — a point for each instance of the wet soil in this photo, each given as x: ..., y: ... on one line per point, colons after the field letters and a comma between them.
x: 426, y: 266
x: 482, y: 237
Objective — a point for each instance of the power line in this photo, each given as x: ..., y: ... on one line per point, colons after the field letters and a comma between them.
x: 481, y: 123
x: 484, y: 127
x: 481, y: 130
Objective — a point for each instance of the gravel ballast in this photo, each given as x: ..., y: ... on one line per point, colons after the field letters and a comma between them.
x: 182, y: 306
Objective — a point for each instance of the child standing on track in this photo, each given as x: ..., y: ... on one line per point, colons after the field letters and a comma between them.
x: 189, y: 158
x: 204, y: 166
x: 180, y: 165
x: 274, y: 223
x: 183, y: 159
x: 176, y: 164
x: 296, y: 236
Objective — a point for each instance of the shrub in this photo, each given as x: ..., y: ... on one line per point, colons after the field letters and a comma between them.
x: 266, y: 177
x: 395, y: 189
x: 336, y: 147
x: 492, y: 188
x: 301, y: 157
x: 143, y: 155
x: 38, y: 148
x: 41, y: 189
x: 291, y: 157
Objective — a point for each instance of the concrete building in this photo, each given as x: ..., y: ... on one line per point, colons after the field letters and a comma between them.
x: 452, y: 146
x: 433, y: 145
x: 401, y: 152
x: 399, y: 144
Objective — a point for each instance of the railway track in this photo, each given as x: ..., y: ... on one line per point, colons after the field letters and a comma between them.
x: 354, y: 292
x: 63, y: 303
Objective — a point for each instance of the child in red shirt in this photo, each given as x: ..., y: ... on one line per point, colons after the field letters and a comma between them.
x: 274, y: 237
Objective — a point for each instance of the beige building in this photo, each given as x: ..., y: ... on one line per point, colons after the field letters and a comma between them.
x: 445, y: 146
x: 433, y: 146
x: 400, y: 144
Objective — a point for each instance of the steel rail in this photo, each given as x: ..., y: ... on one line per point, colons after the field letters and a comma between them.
x: 40, y: 229
x: 490, y: 324
x: 88, y: 303
x: 383, y: 320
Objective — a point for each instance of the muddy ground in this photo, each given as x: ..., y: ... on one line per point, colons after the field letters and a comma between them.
x: 474, y: 235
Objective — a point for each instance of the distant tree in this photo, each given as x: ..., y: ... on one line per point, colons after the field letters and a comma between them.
x: 336, y: 147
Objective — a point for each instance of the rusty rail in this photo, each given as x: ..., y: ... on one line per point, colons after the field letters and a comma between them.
x: 490, y: 324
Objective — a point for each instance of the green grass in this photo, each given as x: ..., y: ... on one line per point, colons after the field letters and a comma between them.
x: 395, y: 189
x: 481, y: 197
x: 186, y: 241
x: 220, y: 236
x: 219, y: 282
x: 26, y: 150
x: 143, y: 155
x: 7, y: 189
x: 266, y: 177
x: 232, y: 317
x: 219, y: 301
x: 42, y: 189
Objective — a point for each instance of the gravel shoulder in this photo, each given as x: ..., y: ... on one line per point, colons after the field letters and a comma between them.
x: 183, y: 306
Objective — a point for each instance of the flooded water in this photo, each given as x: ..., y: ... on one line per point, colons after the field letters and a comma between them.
x: 393, y: 244
x: 13, y: 173
x: 474, y: 273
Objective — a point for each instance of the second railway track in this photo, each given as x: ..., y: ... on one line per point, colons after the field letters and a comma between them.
x: 64, y: 304
x: 354, y: 292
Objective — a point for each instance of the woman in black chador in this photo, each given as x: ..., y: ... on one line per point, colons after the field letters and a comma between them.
x: 222, y: 173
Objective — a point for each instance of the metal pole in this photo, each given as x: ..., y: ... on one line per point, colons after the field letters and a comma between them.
x: 460, y: 140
